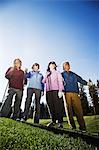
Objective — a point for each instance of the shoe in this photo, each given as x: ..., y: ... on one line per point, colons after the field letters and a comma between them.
x: 51, y: 124
x: 22, y: 120
x: 18, y: 119
x: 13, y: 118
x: 73, y: 128
x: 82, y: 129
x: 60, y: 125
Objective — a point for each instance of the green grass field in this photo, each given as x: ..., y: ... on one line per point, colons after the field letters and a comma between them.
x: 18, y: 136
x: 92, y: 123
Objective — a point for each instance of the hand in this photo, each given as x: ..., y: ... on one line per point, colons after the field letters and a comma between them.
x: 47, y: 74
x: 42, y: 93
x: 60, y: 94
x: 26, y: 70
x: 90, y: 83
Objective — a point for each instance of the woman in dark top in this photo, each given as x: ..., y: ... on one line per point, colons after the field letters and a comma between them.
x: 15, y: 77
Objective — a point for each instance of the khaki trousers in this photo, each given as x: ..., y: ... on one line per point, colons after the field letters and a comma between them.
x: 74, y: 103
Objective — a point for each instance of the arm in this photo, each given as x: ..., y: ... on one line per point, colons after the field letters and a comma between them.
x: 44, y: 79
x: 80, y: 80
x: 42, y: 84
x: 60, y: 82
x: 64, y: 82
x: 25, y: 80
x: 28, y: 75
x: 9, y: 73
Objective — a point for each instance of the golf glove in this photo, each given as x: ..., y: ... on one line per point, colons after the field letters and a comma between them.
x: 42, y: 93
x: 60, y: 94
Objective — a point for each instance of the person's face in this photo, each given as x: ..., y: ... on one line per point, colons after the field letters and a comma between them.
x: 17, y: 64
x: 35, y: 68
x: 52, y: 66
x: 66, y: 67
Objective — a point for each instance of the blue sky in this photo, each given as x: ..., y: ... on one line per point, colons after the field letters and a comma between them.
x: 41, y: 31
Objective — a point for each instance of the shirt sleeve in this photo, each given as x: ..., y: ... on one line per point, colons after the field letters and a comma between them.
x: 44, y: 80
x: 42, y: 83
x: 8, y: 73
x: 60, y: 82
x: 28, y: 75
x: 64, y: 82
x: 25, y: 80
x: 80, y: 80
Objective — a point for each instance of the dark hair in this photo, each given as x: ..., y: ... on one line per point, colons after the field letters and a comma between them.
x: 66, y: 63
x: 52, y: 62
x: 35, y: 64
x: 18, y: 60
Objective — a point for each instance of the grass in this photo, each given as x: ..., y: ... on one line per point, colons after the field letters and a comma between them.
x: 92, y: 123
x: 18, y: 136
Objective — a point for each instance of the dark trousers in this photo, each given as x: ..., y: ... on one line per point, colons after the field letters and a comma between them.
x: 6, y: 107
x: 56, y: 106
x: 36, y: 114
